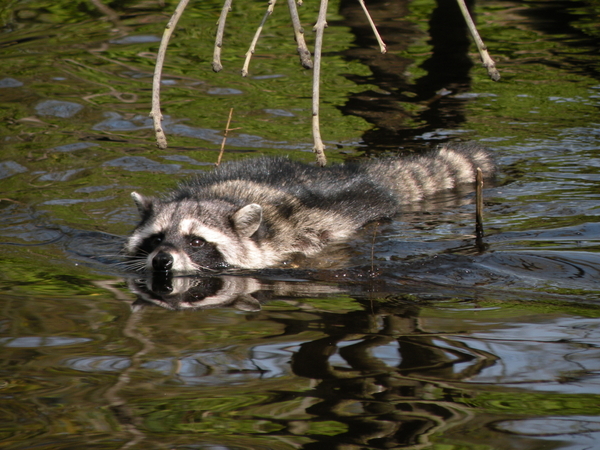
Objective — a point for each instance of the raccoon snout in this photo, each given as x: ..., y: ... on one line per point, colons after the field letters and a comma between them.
x: 162, y: 261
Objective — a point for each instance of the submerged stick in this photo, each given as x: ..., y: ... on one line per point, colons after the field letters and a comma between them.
x: 479, y: 205
x: 375, y: 227
x: 318, y: 147
x: 486, y: 59
x: 224, y: 138
x: 216, y: 63
x: 382, y: 46
x: 303, y: 51
x: 250, y: 51
x: 155, y: 113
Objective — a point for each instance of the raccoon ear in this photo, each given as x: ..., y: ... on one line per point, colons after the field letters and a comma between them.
x: 144, y: 204
x: 246, y: 220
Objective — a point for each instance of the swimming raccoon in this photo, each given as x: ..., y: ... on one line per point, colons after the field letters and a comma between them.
x: 256, y: 213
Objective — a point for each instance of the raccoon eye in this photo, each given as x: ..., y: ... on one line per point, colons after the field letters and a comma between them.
x: 197, y: 242
x: 156, y: 240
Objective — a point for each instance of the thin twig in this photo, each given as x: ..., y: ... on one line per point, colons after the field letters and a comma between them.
x: 486, y: 59
x: 382, y: 46
x: 216, y: 64
x: 303, y: 50
x: 319, y: 147
x: 375, y: 227
x: 250, y: 51
x: 224, y: 138
x: 155, y: 113
x: 125, y: 97
x: 479, y: 205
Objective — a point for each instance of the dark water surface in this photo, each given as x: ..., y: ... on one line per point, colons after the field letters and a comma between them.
x: 412, y: 336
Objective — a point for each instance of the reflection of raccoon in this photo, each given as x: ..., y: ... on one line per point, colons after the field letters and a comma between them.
x: 177, y: 293
x: 256, y: 213
x: 206, y: 292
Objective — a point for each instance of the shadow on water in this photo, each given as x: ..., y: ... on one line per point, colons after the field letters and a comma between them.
x: 436, y: 94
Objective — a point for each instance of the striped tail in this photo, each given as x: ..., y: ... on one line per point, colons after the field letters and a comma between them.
x: 416, y: 177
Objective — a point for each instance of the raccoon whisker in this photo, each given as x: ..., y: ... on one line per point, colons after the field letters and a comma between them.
x: 121, y: 263
x: 130, y: 263
x: 114, y: 255
x: 136, y: 269
x: 206, y: 268
x: 137, y: 265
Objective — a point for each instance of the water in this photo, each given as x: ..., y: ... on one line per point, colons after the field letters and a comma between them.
x: 411, y: 336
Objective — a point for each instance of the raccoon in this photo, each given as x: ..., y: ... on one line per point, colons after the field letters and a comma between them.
x: 254, y: 214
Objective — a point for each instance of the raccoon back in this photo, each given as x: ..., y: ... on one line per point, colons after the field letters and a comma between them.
x: 291, y: 186
x: 365, y: 190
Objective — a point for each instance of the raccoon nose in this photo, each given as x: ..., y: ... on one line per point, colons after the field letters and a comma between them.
x: 162, y: 261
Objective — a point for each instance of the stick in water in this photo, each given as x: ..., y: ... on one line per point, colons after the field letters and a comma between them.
x: 479, y: 205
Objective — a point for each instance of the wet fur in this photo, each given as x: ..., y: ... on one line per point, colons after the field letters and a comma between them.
x: 256, y: 213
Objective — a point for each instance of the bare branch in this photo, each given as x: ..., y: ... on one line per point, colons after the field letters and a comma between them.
x: 250, y: 51
x: 479, y: 204
x: 486, y: 59
x: 303, y: 51
x: 382, y: 46
x: 155, y: 113
x: 216, y: 64
x: 224, y: 137
x: 319, y: 147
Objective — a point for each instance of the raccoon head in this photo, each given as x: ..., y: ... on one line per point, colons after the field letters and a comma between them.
x: 188, y: 235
